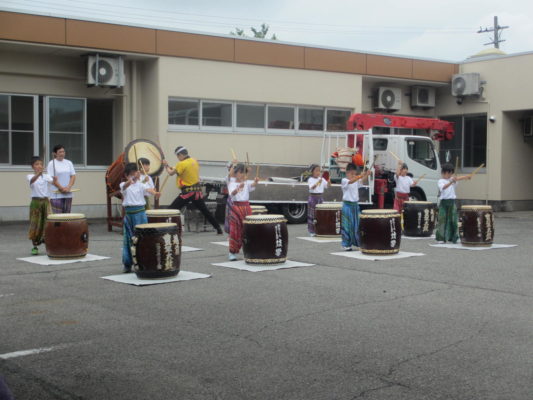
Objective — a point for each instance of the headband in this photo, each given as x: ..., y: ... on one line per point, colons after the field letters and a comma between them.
x: 180, y: 150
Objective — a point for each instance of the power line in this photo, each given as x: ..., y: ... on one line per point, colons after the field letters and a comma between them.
x: 497, y: 30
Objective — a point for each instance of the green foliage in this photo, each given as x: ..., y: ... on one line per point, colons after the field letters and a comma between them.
x: 260, y: 33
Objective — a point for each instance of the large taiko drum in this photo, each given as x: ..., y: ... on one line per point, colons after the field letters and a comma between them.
x: 156, y: 250
x: 166, y: 215
x: 476, y: 225
x: 265, y: 239
x: 257, y: 209
x: 380, y: 232
x: 115, y: 174
x: 418, y: 218
x: 328, y: 219
x: 66, y: 236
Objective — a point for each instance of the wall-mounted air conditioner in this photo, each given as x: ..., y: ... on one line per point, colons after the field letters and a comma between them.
x: 105, y: 71
x: 422, y: 96
x: 388, y: 98
x: 468, y: 84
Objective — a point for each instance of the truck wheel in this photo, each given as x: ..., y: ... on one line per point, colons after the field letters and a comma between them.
x: 295, y: 213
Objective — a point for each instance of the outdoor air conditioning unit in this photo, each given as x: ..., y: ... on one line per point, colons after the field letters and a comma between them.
x: 422, y: 96
x: 105, y: 71
x: 528, y: 127
x: 466, y: 84
x: 388, y: 98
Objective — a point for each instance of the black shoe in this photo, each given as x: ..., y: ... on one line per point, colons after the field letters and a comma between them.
x: 126, y: 270
x: 219, y: 231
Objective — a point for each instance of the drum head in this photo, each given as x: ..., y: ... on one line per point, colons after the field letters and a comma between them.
x: 477, y: 207
x: 163, y: 213
x: 380, y: 212
x: 417, y: 202
x: 264, y: 219
x: 143, y: 148
x: 157, y: 225
x: 329, y: 206
x: 65, y: 217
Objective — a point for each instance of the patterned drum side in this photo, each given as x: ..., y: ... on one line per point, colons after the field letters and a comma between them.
x: 328, y: 219
x: 419, y: 218
x: 380, y: 232
x: 476, y: 225
x: 265, y: 239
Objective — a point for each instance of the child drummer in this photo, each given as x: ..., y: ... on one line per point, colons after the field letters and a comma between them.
x: 133, y: 192
x: 404, y: 183
x: 350, y: 206
x: 239, y: 189
x: 144, y: 168
x: 317, y: 185
x: 447, y: 220
x: 39, y: 202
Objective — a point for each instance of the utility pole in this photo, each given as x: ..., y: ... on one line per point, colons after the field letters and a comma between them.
x: 496, y: 29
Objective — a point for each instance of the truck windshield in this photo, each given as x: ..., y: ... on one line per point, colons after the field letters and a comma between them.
x: 422, y: 151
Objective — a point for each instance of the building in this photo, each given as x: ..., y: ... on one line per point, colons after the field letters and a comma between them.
x: 270, y: 99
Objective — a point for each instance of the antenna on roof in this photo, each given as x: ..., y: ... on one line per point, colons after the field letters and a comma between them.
x: 497, y: 33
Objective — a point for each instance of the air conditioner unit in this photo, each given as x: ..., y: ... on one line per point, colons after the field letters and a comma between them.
x: 422, y: 96
x: 388, y: 98
x: 466, y: 84
x: 528, y: 127
x: 105, y: 71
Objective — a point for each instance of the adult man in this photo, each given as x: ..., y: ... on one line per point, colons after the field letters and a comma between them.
x: 188, y: 180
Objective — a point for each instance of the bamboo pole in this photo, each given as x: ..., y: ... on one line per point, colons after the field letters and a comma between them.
x: 395, y: 156
x: 164, y: 183
x: 257, y: 171
x: 137, y: 160
x: 477, y: 170
x: 233, y: 154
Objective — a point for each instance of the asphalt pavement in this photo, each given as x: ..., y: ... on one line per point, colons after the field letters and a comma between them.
x: 452, y: 324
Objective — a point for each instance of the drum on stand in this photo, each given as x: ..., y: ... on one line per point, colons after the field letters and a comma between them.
x: 66, y: 236
x: 143, y: 148
x: 115, y: 174
x: 168, y: 216
x: 418, y: 218
x: 265, y: 239
x: 156, y: 250
x: 257, y: 209
x: 380, y: 232
x: 328, y: 219
x: 476, y: 225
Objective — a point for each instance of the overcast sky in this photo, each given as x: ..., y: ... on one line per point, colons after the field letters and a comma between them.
x: 422, y: 28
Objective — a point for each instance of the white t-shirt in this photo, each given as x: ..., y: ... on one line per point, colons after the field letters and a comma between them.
x: 63, y: 169
x: 350, y: 192
x: 39, y: 188
x: 403, y: 183
x: 320, y: 187
x: 149, y: 182
x: 244, y: 193
x: 449, y: 192
x: 134, y: 194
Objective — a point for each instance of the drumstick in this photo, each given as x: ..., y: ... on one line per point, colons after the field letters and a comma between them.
x: 476, y: 170
x: 395, y: 156
x: 456, y: 164
x: 419, y: 179
x: 164, y: 182
x: 153, y: 152
x: 49, y: 206
x: 247, y: 159
x: 233, y: 153
x: 257, y: 171
x: 137, y: 160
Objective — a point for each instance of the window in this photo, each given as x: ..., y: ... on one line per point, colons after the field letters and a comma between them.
x: 216, y: 114
x: 380, y: 144
x: 280, y: 117
x: 183, y: 112
x: 337, y: 119
x: 468, y: 148
x: 310, y: 119
x: 99, y: 132
x: 421, y: 151
x: 66, y: 126
x: 17, y: 129
x: 250, y: 116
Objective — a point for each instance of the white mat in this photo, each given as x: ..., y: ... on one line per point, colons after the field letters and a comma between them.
x: 369, y: 257
x: 45, y: 260
x: 320, y: 240
x: 240, y: 264
x: 461, y: 247
x: 226, y: 243
x: 418, y: 237
x: 185, y: 249
x: 132, y: 279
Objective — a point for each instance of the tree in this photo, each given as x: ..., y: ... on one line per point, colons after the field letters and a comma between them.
x: 260, y: 33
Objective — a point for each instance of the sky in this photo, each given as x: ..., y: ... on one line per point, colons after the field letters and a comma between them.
x: 434, y: 29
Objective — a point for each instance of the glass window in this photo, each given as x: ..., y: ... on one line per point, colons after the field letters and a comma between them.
x: 4, y: 112
x: 4, y: 147
x: 475, y: 141
x: 450, y: 151
x: 73, y: 145
x: 310, y: 119
x: 337, y: 119
x: 66, y: 115
x: 422, y: 152
x: 22, y: 148
x: 280, y: 117
x: 216, y: 114
x: 183, y: 112
x: 380, y: 144
x: 99, y: 132
x: 22, y: 113
x: 250, y: 116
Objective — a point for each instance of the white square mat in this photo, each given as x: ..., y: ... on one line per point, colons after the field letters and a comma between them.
x: 185, y: 249
x: 132, y: 279
x: 45, y: 260
x: 315, y: 239
x: 474, y: 248
x: 369, y: 257
x: 418, y: 237
x: 241, y: 265
x: 225, y: 243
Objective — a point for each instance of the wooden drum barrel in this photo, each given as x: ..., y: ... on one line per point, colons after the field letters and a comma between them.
x: 380, y: 232
x: 476, y: 225
x: 418, y: 218
x: 257, y: 209
x: 328, y: 219
x: 66, y: 236
x: 265, y: 239
x: 156, y: 250
x: 166, y: 215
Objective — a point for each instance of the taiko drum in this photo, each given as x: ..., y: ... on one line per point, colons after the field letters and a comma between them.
x: 328, y: 219
x: 258, y: 209
x: 265, y: 239
x: 418, y: 218
x: 166, y: 216
x: 476, y: 225
x: 66, y: 236
x: 380, y: 232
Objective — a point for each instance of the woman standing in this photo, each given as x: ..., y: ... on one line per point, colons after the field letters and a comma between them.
x: 63, y: 169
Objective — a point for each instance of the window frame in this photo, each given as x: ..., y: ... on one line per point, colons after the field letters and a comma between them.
x: 209, y: 128
x: 243, y: 130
